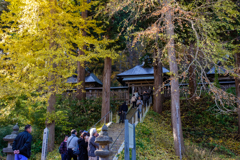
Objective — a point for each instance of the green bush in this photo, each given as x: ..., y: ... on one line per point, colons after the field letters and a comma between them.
x: 70, y: 114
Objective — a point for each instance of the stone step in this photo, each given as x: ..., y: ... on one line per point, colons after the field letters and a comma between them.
x: 114, y: 130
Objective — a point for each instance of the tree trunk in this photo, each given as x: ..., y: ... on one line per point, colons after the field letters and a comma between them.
x: 192, y: 75
x: 237, y: 84
x: 175, y: 95
x: 106, y: 87
x: 158, y: 81
x: 50, y: 124
x: 81, y: 93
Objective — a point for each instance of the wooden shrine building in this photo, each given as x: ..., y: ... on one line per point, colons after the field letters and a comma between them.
x: 225, y: 80
x: 139, y: 79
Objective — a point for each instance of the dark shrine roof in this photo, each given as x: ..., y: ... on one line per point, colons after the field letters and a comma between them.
x: 89, y: 79
x: 140, y: 70
x: 92, y: 78
x: 220, y: 70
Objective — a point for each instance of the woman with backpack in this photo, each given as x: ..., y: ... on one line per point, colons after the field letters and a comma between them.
x: 63, y: 148
x: 133, y: 101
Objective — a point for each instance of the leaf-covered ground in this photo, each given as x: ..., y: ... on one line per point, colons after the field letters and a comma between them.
x: 154, y: 138
x: 206, y: 128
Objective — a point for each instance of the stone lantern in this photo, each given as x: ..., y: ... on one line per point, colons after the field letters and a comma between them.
x: 103, y: 140
x: 10, y: 138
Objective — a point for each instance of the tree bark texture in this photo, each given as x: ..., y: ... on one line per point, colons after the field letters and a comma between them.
x: 175, y: 94
x: 81, y: 94
x: 237, y: 84
x: 192, y: 75
x: 50, y: 123
x: 158, y: 81
x: 106, y: 88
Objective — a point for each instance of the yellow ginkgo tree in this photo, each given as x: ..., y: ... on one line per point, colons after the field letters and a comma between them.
x: 40, y: 39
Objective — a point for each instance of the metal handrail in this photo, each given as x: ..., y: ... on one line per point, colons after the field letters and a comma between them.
x: 99, y: 120
x: 117, y: 138
x: 133, y: 114
x: 123, y: 129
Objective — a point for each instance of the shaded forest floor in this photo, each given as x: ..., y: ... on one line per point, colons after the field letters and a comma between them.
x: 206, y: 128
x: 206, y: 134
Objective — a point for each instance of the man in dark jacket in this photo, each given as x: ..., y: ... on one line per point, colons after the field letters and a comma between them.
x: 145, y: 98
x: 124, y: 109
x: 22, y: 144
x: 83, y: 144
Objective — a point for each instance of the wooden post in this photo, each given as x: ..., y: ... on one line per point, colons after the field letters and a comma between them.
x: 134, y: 144
x: 136, y: 117
x: 126, y: 156
x: 117, y: 120
x: 140, y: 116
x: 128, y: 94
x: 45, y: 144
x: 110, y: 116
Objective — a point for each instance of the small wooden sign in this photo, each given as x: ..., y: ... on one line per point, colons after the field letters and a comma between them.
x: 131, y: 138
x: 44, y: 144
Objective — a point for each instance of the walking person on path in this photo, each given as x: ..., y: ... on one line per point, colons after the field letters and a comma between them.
x: 145, y: 98
x: 120, y: 113
x: 83, y: 144
x: 63, y: 148
x: 72, y: 142
x: 136, y: 94
x: 92, y: 146
x: 133, y: 101
x: 124, y: 109
x: 139, y: 105
x: 22, y: 144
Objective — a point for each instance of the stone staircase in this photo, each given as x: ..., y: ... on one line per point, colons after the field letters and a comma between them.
x: 116, y: 131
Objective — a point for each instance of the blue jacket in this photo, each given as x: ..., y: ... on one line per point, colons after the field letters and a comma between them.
x: 23, y: 143
x: 92, y: 146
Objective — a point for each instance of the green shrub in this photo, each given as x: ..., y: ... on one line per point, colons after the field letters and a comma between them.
x: 70, y: 114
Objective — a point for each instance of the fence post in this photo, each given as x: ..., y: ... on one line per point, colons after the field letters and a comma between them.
x: 136, y: 117
x: 140, y: 116
x: 117, y: 120
x: 134, y: 143
x: 126, y: 156
x: 110, y: 116
x: 133, y: 120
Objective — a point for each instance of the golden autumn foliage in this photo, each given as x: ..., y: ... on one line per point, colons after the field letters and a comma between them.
x: 39, y: 38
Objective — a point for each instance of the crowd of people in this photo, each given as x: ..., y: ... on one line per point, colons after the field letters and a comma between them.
x: 81, y: 148
x: 72, y: 147
x: 138, y: 101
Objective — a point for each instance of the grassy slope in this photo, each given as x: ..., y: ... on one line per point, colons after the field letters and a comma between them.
x: 154, y: 140
x: 202, y: 126
x: 206, y: 135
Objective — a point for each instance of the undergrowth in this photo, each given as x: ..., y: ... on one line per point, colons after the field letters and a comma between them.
x: 206, y: 128
x: 154, y: 140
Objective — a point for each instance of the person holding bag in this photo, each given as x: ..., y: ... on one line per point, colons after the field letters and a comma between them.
x: 72, y: 143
